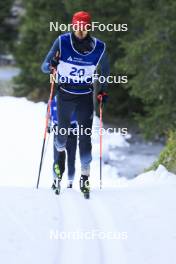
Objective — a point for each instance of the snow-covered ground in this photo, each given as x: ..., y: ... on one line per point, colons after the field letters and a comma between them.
x: 8, y: 72
x: 128, y: 221
x: 6, y: 83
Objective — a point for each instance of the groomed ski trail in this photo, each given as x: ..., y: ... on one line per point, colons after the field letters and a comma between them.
x: 83, y: 216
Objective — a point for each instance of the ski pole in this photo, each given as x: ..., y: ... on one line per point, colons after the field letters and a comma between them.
x: 46, y: 127
x: 101, y: 139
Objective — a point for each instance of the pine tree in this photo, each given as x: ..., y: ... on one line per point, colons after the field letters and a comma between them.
x: 6, y: 30
x: 34, y: 42
x: 150, y: 59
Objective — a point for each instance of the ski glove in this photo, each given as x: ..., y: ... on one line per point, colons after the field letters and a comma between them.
x: 102, y: 96
x: 53, y: 64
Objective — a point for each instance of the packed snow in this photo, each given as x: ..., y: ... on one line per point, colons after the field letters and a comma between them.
x: 128, y: 221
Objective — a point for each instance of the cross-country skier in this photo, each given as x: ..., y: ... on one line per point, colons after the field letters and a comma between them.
x: 70, y: 147
x: 80, y: 54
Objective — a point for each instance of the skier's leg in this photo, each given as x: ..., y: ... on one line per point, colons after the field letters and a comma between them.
x: 66, y: 106
x: 55, y: 156
x: 85, y: 120
x: 57, y: 169
x: 71, y: 156
x: 84, y: 112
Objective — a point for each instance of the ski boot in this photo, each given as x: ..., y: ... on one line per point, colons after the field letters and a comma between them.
x: 57, y: 179
x: 58, y: 171
x: 84, y: 186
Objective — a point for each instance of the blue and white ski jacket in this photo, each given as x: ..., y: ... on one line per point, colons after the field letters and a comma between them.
x: 74, y: 68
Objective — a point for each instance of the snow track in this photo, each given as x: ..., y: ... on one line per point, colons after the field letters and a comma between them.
x: 78, y: 216
x: 29, y: 216
x: 112, y: 248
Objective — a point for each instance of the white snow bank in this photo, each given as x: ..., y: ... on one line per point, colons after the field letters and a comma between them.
x: 110, y: 140
x: 160, y: 175
x: 22, y: 125
x: 7, y: 73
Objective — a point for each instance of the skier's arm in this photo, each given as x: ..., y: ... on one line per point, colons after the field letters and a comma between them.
x: 51, y: 120
x: 51, y: 54
x: 104, y: 70
x: 49, y: 128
